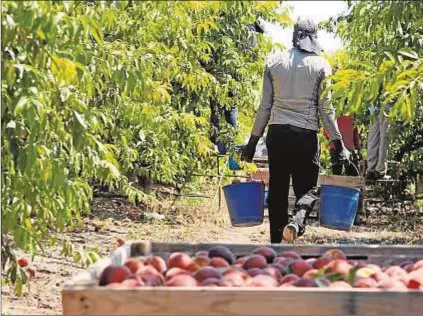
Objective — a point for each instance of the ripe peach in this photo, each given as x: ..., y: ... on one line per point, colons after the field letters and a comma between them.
x: 304, y: 282
x: 289, y: 278
x: 335, y: 254
x: 389, y: 283
x: 114, y: 274
x: 255, y: 261
x: 311, y: 260
x: 279, y: 267
x: 225, y: 283
x: 264, y: 280
x: 299, y: 267
x: 406, y: 263
x: 180, y: 260
x: 394, y: 271
x: 418, y: 265
x: 206, y: 273
x: 365, y: 283
x: 202, y: 261
x: 175, y: 271
x: 218, y: 262
x: 311, y: 274
x: 133, y: 264
x: 340, y: 266
x: 267, y: 252
x: 283, y: 262
x: 379, y: 276
x: 321, y: 262
x: 287, y: 285
x: 357, y: 264
x: 157, y: 262
x: 237, y: 278
x: 415, y: 279
x: 239, y: 262
x: 398, y: 273
x: 152, y: 280
x: 374, y: 267
x: 202, y: 253
x: 23, y: 262
x: 222, y: 252
x: 134, y: 280
x: 340, y: 285
x: 181, y: 280
x: 193, y: 267
x: 210, y: 282
x: 273, y: 272
x: 131, y: 283
x: 290, y: 254
x: 150, y: 270
x: 255, y: 271
x: 409, y: 267
x: 222, y: 270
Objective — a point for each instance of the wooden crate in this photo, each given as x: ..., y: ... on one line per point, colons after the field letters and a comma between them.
x: 82, y: 296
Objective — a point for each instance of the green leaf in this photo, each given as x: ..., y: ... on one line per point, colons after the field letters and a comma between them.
x: 332, y: 277
x: 408, y: 53
x: 351, y: 275
x: 20, y: 105
x: 80, y: 119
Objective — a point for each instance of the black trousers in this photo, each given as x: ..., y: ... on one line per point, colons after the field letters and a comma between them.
x: 292, y: 152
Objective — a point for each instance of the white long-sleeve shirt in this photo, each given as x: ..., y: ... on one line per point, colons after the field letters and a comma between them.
x: 292, y: 88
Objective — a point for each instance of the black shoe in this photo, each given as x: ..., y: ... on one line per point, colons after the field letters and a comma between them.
x: 290, y: 232
x: 381, y: 176
x: 371, y: 175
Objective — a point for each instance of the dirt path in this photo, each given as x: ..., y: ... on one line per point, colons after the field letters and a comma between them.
x: 189, y: 221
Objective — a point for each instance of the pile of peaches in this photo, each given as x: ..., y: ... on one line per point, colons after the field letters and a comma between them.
x: 218, y: 267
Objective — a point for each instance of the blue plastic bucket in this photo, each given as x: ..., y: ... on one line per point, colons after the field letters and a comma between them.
x: 245, y: 203
x: 233, y: 165
x: 338, y: 206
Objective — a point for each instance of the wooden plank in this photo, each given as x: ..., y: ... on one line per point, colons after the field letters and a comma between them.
x: 344, y: 181
x: 351, y: 182
x: 241, y: 301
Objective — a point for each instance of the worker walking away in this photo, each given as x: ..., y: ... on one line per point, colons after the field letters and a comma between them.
x: 378, y: 144
x: 230, y: 114
x: 291, y: 104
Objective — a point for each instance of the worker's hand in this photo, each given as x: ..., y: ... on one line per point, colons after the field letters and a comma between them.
x: 250, y: 149
x: 341, y: 153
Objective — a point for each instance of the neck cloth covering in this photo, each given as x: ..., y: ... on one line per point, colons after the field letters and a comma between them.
x: 305, y: 36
